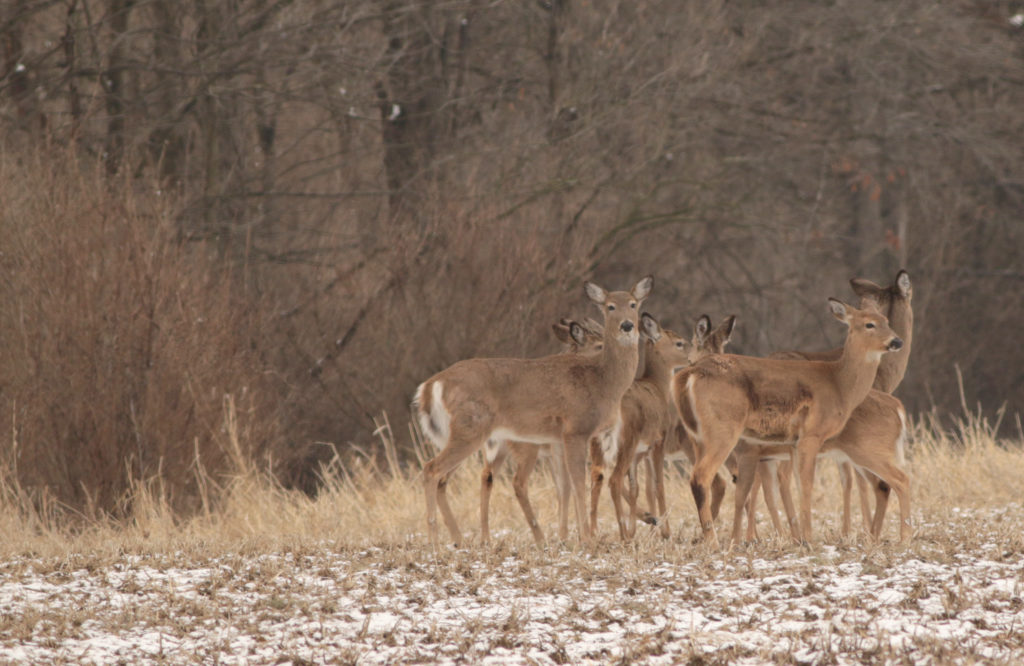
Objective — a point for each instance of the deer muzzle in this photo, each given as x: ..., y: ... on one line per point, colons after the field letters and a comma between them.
x: 895, y: 344
x: 626, y: 326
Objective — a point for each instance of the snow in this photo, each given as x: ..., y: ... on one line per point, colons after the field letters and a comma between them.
x: 847, y: 604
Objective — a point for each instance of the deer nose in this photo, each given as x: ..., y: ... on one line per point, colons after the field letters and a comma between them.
x: 626, y: 326
x: 895, y: 344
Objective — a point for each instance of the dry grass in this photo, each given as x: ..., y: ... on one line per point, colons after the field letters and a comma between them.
x: 120, y: 345
x: 272, y: 575
x: 376, y: 501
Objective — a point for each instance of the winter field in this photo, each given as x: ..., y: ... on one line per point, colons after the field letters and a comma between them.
x: 267, y: 577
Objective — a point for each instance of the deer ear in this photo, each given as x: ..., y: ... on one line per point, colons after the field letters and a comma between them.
x: 840, y: 310
x: 866, y: 288
x: 903, y: 284
x: 578, y: 334
x: 594, y: 327
x: 562, y: 331
x: 702, y: 328
x: 726, y: 328
x: 595, y: 293
x: 642, y: 289
x: 650, y: 327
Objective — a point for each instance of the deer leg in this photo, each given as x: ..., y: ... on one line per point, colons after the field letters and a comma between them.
x: 649, y: 496
x: 633, y: 495
x: 719, y: 440
x: 807, y: 449
x: 718, y: 486
x: 900, y: 482
x: 746, y: 477
x: 651, y: 515
x: 491, y: 468
x: 862, y: 491
x: 615, y: 488
x: 785, y: 477
x: 435, y: 478
x: 846, y: 482
x: 657, y: 466
x: 562, y: 488
x: 525, y: 464
x: 575, y: 455
x: 884, y: 476
x: 881, y: 490
x: 750, y: 506
x: 596, y: 480
x: 768, y: 471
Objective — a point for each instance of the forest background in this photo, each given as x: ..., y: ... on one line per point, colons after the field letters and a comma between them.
x: 247, y: 229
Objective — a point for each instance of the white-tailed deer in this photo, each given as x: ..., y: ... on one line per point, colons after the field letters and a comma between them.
x: 895, y: 303
x: 647, y: 415
x: 799, y: 403
x: 872, y: 441
x: 577, y: 338
x: 560, y: 400
x: 677, y: 445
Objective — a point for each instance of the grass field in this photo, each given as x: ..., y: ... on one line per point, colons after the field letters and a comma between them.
x: 269, y: 576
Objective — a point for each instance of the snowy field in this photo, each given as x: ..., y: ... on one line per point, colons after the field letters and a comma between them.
x: 956, y: 594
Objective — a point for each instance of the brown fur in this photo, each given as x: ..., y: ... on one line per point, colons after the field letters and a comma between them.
x: 872, y: 441
x: 805, y: 402
x: 647, y: 415
x: 579, y: 339
x: 895, y: 303
x: 557, y: 400
x: 704, y: 343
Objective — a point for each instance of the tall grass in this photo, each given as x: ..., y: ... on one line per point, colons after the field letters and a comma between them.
x: 374, y: 500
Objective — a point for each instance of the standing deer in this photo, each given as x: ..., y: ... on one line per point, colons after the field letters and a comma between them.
x: 560, y: 400
x: 799, y: 403
x: 577, y: 339
x: 872, y: 441
x: 677, y: 445
x: 880, y: 419
x: 647, y: 415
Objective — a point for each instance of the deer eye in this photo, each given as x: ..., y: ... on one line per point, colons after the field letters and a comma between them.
x: 869, y: 325
x: 610, y: 308
x: 633, y: 305
x: 679, y: 345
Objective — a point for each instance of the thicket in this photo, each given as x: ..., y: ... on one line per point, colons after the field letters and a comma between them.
x: 304, y: 209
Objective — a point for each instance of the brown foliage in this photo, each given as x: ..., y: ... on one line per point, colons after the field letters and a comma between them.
x: 121, y: 345
x: 406, y: 183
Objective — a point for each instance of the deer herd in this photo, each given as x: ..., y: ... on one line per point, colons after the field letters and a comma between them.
x: 756, y: 420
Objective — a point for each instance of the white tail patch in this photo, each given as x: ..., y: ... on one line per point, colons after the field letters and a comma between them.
x: 693, y: 408
x: 435, y: 422
x: 492, y: 448
x: 610, y: 441
x: 901, y: 442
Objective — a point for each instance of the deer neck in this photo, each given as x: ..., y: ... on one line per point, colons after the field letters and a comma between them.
x: 656, y: 370
x: 894, y: 364
x: 855, y: 372
x: 619, y: 362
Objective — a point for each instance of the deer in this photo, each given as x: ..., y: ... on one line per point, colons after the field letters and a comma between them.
x: 872, y: 441
x: 578, y: 339
x: 725, y: 397
x: 895, y: 303
x: 677, y: 445
x: 561, y: 400
x: 647, y: 415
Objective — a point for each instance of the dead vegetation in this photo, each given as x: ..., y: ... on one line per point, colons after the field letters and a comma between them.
x: 276, y: 575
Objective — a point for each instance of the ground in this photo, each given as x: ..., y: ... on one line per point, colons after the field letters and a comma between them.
x: 270, y: 576
x: 652, y: 601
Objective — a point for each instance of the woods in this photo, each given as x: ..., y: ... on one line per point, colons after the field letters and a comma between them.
x: 310, y: 207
